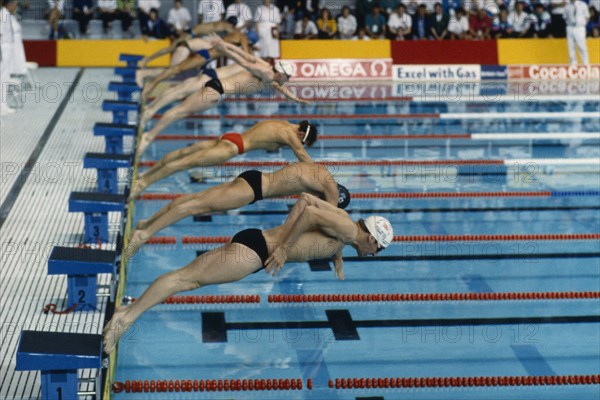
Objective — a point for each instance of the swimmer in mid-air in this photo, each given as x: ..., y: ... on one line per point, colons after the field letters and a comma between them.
x: 248, y: 188
x: 267, y: 135
x: 249, y: 77
x: 314, y: 229
x: 187, y: 55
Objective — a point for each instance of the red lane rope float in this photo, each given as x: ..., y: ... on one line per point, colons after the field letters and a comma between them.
x: 162, y: 240
x: 388, y: 297
x: 206, y: 385
x: 214, y: 299
x: 351, y: 163
x: 471, y: 381
x: 335, y: 137
x: 435, y: 238
x: 313, y: 116
x: 173, y: 196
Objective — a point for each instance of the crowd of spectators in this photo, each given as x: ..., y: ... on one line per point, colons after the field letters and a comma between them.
x: 312, y: 19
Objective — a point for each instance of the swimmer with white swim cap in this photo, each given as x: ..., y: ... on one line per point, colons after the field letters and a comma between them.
x: 314, y: 229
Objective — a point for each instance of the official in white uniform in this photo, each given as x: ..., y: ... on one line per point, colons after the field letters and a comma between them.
x: 268, y: 18
x: 7, y: 40
x: 576, y: 16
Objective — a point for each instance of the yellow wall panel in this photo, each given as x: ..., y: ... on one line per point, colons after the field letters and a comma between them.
x: 315, y: 49
x: 105, y: 53
x: 541, y: 51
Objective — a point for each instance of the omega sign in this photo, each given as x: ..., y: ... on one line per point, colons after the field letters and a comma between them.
x: 342, y: 69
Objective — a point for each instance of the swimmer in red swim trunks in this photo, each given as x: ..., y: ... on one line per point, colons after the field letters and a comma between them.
x: 267, y: 135
x: 314, y: 229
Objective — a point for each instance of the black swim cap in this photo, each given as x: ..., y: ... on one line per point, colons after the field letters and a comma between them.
x: 311, y: 133
x: 344, y: 198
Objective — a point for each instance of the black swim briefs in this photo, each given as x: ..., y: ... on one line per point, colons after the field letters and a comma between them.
x: 214, y: 83
x: 255, y: 241
x: 254, y: 179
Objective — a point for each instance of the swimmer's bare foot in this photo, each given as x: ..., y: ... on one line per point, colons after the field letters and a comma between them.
x: 115, y: 328
x: 137, y: 240
x: 138, y: 188
x: 143, y: 144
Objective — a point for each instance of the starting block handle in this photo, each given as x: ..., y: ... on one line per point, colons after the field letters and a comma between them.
x: 119, y: 110
x: 127, y: 73
x: 125, y: 90
x: 131, y: 60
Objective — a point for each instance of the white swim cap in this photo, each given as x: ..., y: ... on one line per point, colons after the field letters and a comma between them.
x: 284, y: 67
x: 381, y: 229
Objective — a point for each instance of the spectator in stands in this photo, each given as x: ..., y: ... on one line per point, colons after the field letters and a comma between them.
x: 55, y: 13
x: 400, y: 24
x: 363, y: 8
x: 439, y: 22
x: 305, y: 29
x: 421, y: 24
x: 144, y: 8
x: 307, y: 7
x: 541, y: 22
x: 210, y: 11
x: 288, y: 10
x: 346, y: 24
x: 558, y: 22
x: 126, y: 13
x: 157, y: 28
x: 577, y: 16
x: 107, y: 12
x: 480, y: 24
x: 375, y: 24
x: 388, y: 7
x: 83, y: 11
x: 520, y: 21
x: 361, y: 35
x: 458, y: 27
x: 268, y: 19
x: 326, y: 25
x: 501, y: 28
x: 242, y: 12
x: 593, y: 25
x: 179, y: 19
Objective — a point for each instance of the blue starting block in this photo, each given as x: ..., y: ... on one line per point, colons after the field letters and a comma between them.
x: 113, y: 135
x: 58, y: 356
x: 132, y: 60
x: 81, y: 267
x: 95, y: 207
x: 106, y: 167
x: 125, y: 90
x: 127, y: 73
x: 119, y: 110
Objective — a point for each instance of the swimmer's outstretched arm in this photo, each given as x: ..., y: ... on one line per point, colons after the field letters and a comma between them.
x: 288, y: 95
x: 299, y: 151
x: 311, y: 213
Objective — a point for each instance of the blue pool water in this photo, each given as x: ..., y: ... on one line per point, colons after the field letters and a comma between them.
x: 167, y: 343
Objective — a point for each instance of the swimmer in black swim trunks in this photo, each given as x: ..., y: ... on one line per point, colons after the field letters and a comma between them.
x: 314, y: 229
x: 247, y: 188
x: 199, y: 54
x: 255, y: 76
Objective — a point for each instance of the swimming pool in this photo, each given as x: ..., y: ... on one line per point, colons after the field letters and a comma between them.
x: 490, y: 289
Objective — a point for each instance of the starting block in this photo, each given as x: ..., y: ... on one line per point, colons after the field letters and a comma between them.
x: 119, y: 110
x: 58, y: 356
x: 127, y: 73
x: 107, y: 167
x: 125, y: 90
x: 95, y: 207
x: 113, y: 135
x: 131, y: 60
x: 81, y: 267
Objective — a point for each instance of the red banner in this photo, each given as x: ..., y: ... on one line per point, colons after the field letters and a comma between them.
x: 341, y: 69
x: 42, y: 52
x: 422, y: 52
x: 551, y: 72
